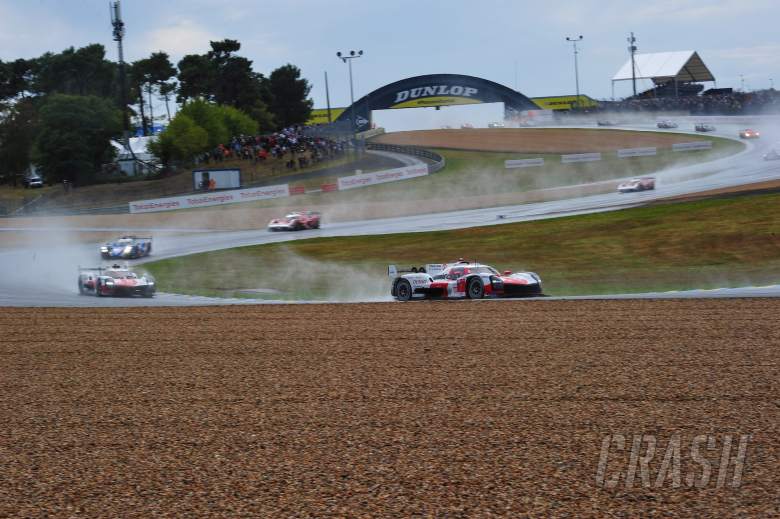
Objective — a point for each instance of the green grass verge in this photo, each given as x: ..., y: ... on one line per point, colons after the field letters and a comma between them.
x: 471, y: 173
x: 703, y: 244
x: 475, y: 173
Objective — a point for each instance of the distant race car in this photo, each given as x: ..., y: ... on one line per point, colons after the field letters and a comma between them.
x: 495, y: 125
x: 772, y: 155
x: 127, y: 247
x: 605, y: 123
x: 296, y: 221
x: 466, y: 126
x: 32, y: 181
x: 701, y: 127
x: 115, y: 281
x: 637, y: 184
x: 749, y: 134
x: 461, y: 280
x: 666, y: 124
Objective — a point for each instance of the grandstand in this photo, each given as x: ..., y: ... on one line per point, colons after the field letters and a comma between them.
x: 673, y: 74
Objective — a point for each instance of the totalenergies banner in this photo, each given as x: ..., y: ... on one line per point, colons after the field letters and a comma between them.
x: 380, y: 177
x: 320, y: 116
x: 209, y: 199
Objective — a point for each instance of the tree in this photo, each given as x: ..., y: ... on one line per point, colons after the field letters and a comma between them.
x: 166, y: 89
x: 15, y: 78
x: 181, y: 140
x: 75, y: 137
x: 17, y: 134
x: 147, y: 75
x: 196, y: 78
x: 207, y: 116
x: 222, y: 77
x: 290, y: 104
x: 137, y: 79
x: 83, y: 71
x: 199, y: 127
x: 236, y: 122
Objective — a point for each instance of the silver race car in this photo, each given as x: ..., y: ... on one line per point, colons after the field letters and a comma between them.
x: 461, y: 280
x: 637, y: 184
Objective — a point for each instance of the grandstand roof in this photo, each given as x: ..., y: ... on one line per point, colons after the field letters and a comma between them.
x: 663, y: 67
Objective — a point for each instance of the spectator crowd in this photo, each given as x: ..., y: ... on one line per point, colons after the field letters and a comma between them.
x: 292, y: 145
x: 721, y: 103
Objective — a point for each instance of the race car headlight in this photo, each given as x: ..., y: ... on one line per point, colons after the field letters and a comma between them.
x: 128, y: 249
x: 536, y: 277
x: 109, y: 283
x: 103, y: 249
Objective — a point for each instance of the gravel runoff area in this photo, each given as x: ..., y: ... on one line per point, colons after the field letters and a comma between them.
x: 433, y: 409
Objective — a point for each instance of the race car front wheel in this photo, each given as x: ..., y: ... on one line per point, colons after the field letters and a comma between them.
x: 403, y: 290
x: 475, y: 288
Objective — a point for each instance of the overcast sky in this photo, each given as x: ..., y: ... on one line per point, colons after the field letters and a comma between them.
x: 520, y: 44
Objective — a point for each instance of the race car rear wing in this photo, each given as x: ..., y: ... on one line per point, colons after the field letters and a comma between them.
x: 430, y: 269
x: 91, y: 269
x: 115, y: 266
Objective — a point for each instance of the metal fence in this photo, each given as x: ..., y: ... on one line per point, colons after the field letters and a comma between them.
x: 437, y: 162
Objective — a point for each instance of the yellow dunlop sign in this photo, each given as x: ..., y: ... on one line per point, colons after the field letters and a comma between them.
x: 436, y: 101
x: 564, y: 102
x: 320, y: 115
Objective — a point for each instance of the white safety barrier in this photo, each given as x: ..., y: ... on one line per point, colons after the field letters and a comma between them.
x: 523, y: 163
x: 580, y: 157
x: 636, y: 152
x: 688, y: 146
x: 380, y: 177
x: 209, y: 199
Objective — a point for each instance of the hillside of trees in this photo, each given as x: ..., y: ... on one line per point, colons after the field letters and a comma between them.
x: 59, y: 111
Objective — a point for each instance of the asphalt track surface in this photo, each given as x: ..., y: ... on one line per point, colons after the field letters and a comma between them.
x: 746, y: 167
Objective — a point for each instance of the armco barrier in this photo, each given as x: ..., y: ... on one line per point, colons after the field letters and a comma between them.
x: 329, y: 188
x: 437, y: 161
x: 636, y: 152
x: 523, y: 163
x: 381, y: 177
x: 208, y: 199
x: 297, y: 190
x: 580, y: 157
x: 689, y: 146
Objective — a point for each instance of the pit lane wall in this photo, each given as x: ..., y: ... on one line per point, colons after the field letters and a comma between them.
x: 209, y: 199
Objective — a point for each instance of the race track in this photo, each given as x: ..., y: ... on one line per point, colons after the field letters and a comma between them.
x: 58, y: 286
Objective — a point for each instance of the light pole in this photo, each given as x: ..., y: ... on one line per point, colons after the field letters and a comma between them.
x: 632, y: 49
x: 576, y: 65
x: 348, y: 59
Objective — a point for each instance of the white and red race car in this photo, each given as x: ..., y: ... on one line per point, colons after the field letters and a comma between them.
x: 749, y: 134
x: 115, y: 281
x: 461, y: 280
x: 296, y: 221
x: 637, y: 184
